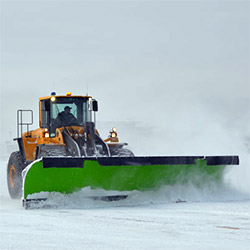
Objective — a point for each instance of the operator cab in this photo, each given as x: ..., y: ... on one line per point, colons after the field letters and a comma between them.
x: 60, y: 111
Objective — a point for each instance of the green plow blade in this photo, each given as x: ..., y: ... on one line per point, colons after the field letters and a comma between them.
x: 68, y: 174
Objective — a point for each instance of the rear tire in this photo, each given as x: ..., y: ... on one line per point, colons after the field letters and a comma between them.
x: 14, y: 174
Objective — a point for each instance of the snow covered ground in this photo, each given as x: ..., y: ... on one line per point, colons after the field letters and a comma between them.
x: 212, y: 218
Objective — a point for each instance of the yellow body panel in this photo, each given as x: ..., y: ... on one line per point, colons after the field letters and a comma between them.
x: 37, y: 137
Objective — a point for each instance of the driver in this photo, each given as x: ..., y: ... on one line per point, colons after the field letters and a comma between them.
x: 66, y: 118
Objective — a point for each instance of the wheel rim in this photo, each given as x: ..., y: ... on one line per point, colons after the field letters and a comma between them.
x: 12, y: 176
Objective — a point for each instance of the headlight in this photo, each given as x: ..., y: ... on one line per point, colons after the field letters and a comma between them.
x: 53, y: 98
x: 113, y: 134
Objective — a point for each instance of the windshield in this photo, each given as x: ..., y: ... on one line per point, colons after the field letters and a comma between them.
x: 69, y: 111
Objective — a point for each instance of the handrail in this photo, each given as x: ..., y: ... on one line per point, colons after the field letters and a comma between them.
x: 20, y: 122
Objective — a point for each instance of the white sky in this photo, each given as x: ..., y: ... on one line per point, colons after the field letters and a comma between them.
x: 159, y: 62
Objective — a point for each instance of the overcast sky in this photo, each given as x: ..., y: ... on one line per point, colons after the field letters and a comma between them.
x: 154, y: 62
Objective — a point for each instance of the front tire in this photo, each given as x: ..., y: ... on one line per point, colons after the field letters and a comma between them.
x: 14, y: 174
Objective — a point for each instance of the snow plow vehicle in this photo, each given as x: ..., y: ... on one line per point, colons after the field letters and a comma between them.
x: 66, y: 153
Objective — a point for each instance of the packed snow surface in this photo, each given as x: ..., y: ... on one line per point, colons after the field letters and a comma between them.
x: 170, y: 218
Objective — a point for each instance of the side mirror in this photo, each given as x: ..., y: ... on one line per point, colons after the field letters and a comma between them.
x: 95, y: 105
